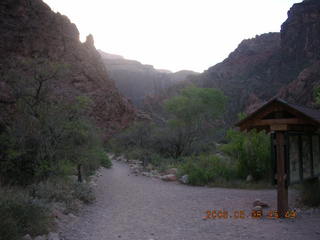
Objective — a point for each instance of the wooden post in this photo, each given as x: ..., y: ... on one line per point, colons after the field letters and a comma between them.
x: 79, y: 173
x: 281, y: 175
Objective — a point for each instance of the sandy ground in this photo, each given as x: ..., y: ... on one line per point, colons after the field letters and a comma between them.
x: 141, y: 208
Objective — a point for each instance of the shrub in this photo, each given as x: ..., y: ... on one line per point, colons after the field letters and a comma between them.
x: 250, y: 151
x: 163, y: 163
x: 137, y: 136
x: 83, y: 192
x: 53, y: 190
x: 64, y: 191
x: 48, y: 133
x: 20, y: 215
x: 136, y: 153
x: 186, y: 128
x: 207, y: 168
x: 105, y: 160
x: 156, y: 159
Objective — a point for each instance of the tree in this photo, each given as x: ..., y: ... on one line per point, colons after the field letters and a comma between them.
x: 194, y: 114
x: 44, y: 134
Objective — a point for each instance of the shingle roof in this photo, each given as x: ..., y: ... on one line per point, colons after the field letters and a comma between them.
x: 310, y: 113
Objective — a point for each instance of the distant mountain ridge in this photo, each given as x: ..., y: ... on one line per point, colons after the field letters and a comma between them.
x: 136, y: 81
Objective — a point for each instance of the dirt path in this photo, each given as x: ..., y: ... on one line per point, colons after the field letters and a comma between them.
x: 140, y: 208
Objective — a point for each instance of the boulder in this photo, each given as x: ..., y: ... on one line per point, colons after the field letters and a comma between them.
x: 259, y: 203
x: 172, y: 171
x: 146, y: 174
x: 53, y: 236
x: 169, y: 178
x: 70, y: 215
x: 43, y: 237
x: 149, y: 167
x: 57, y: 214
x: 27, y: 237
x: 184, y: 179
x: 249, y: 178
x: 257, y: 208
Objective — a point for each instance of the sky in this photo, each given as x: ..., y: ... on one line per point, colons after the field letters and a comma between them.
x: 173, y: 34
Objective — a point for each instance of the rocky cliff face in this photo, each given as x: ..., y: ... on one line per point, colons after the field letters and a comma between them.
x: 249, y: 73
x: 300, y: 35
x: 285, y: 65
x: 300, y: 51
x: 136, y: 81
x: 29, y: 29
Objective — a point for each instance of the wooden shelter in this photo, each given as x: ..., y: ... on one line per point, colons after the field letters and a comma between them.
x: 282, y: 120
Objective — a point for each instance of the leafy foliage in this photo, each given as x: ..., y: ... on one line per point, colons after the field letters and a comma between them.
x: 251, y: 152
x: 193, y: 117
x: 63, y: 190
x: 195, y: 105
x: 207, y: 168
x: 47, y: 134
x: 20, y: 215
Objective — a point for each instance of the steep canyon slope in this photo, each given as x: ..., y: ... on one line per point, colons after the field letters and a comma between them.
x: 29, y: 29
x: 285, y: 64
x: 300, y: 51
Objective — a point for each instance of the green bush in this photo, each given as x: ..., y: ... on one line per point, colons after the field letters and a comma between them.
x: 185, y: 129
x: 64, y: 191
x: 136, y: 153
x: 20, y: 215
x: 207, y: 168
x: 83, y: 192
x: 250, y: 151
x: 105, y: 160
x: 47, y: 134
x: 53, y: 190
x: 134, y: 137
x: 164, y: 163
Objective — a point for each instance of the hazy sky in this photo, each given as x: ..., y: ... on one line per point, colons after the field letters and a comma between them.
x: 173, y: 34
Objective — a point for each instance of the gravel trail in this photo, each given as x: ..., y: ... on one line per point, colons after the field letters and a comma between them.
x: 133, y: 207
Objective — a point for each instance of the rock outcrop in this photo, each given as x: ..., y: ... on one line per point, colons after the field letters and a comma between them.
x: 29, y: 29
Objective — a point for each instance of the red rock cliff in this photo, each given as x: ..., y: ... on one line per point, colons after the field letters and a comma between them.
x: 28, y: 28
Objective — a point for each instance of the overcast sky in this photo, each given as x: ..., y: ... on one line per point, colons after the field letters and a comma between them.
x: 173, y: 34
